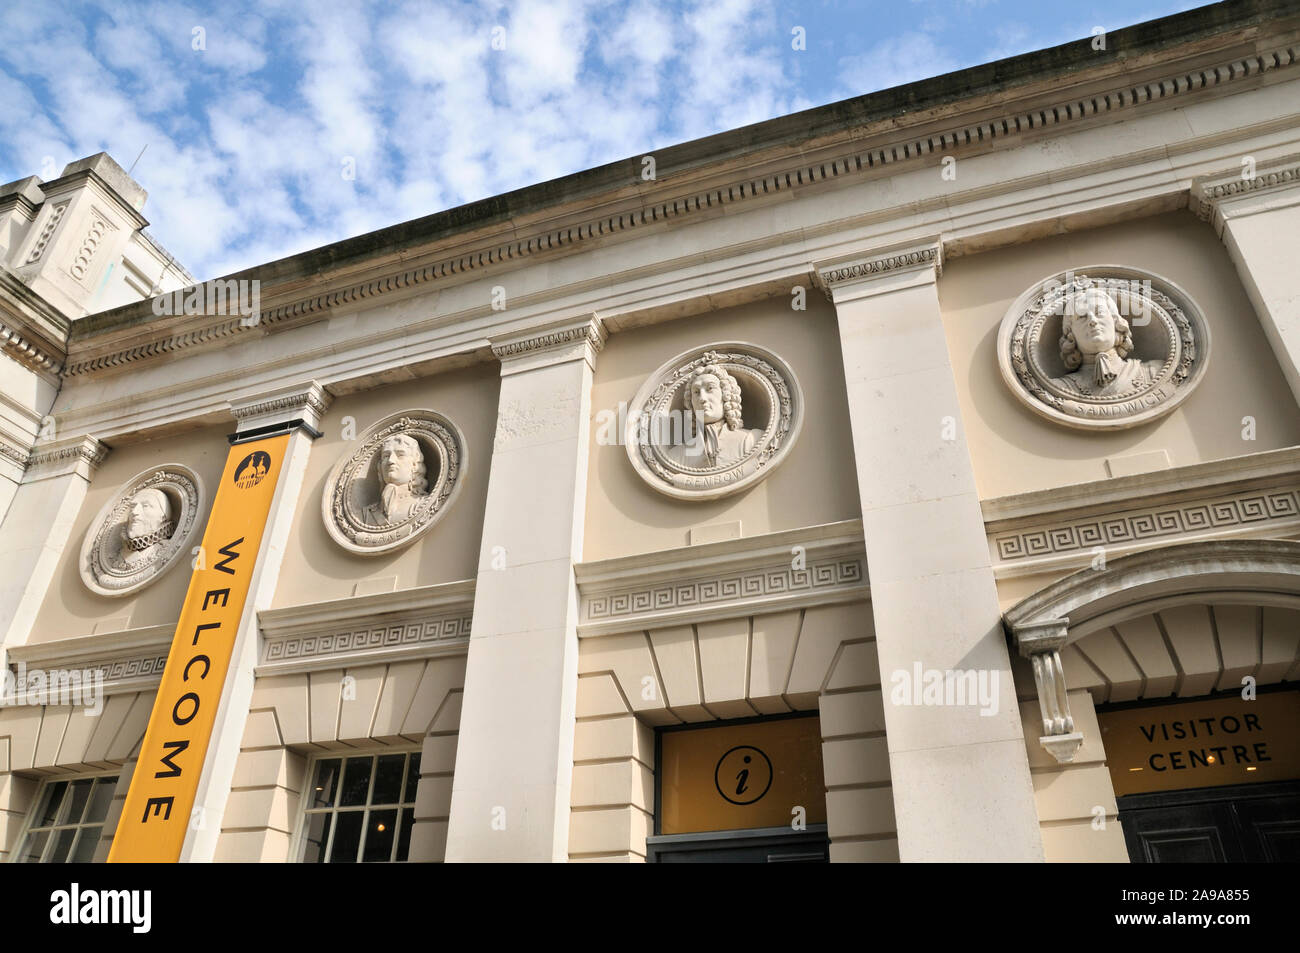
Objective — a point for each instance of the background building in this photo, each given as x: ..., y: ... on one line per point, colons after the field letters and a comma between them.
x: 980, y: 505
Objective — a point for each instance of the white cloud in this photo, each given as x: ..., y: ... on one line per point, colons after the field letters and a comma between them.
x: 247, y: 136
x: 895, y: 62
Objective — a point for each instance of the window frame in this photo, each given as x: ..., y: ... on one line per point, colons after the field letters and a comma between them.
x: 298, y: 849
x: 16, y: 857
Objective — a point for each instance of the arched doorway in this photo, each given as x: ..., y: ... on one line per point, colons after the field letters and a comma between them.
x: 1190, y: 655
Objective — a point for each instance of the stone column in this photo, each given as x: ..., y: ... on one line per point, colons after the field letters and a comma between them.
x: 297, y: 411
x: 1258, y: 219
x: 514, y: 760
x: 962, y: 790
x: 38, y: 526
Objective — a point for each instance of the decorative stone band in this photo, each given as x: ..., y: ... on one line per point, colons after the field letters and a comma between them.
x: 828, y: 277
x: 591, y: 332
x: 888, y: 148
x: 1207, y: 195
x: 1257, y: 496
x: 27, y: 352
x: 1041, y: 642
x: 13, y: 451
x: 131, y: 660
x: 367, y: 630
x: 794, y: 569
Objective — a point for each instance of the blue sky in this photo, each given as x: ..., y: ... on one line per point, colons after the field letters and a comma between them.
x: 275, y: 127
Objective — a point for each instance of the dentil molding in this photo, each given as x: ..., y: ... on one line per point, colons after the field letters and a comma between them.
x: 888, y: 148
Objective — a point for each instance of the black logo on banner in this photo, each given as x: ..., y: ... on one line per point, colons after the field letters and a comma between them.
x: 252, y: 469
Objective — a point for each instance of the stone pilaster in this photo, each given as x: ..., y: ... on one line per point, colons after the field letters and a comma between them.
x: 38, y: 526
x: 298, y: 411
x: 962, y: 790
x: 514, y: 763
x: 1258, y: 218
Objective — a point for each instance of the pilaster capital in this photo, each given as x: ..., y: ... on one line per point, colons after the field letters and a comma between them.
x: 81, y: 455
x: 306, y: 402
x: 880, y: 271
x: 574, y: 339
x: 1033, y: 638
x: 1217, y: 198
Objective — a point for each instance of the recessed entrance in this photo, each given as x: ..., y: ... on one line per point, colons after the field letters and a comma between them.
x: 1210, y: 780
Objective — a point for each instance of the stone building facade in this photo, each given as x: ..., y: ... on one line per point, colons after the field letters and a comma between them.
x: 961, y: 419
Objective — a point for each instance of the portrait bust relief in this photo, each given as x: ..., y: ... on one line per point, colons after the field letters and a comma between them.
x: 142, y: 531
x: 1103, y: 348
x: 396, y: 484
x: 713, y: 421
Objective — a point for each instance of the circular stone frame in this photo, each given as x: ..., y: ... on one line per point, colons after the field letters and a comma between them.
x: 762, y: 376
x: 100, y: 568
x: 342, y: 509
x: 1174, y: 333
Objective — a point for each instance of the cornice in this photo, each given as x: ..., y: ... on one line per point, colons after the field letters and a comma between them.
x: 131, y: 660
x: 367, y: 630
x: 13, y: 451
x: 793, y: 569
x: 117, y: 340
x: 1053, y: 530
x: 32, y: 331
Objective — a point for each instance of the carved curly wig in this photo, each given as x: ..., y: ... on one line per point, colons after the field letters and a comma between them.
x: 730, y: 394
x: 1078, y: 304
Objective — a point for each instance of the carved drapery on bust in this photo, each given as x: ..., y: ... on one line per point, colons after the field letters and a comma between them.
x: 396, y: 484
x: 142, y: 531
x: 713, y: 421
x: 1105, y: 347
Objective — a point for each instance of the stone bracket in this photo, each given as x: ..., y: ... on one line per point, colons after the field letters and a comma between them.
x: 1041, y: 643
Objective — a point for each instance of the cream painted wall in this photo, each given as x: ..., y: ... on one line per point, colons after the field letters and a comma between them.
x: 316, y: 568
x: 1015, y: 451
x: 815, y: 484
x: 70, y: 609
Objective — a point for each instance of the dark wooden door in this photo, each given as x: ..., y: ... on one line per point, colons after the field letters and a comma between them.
x: 1242, y: 824
x: 741, y: 847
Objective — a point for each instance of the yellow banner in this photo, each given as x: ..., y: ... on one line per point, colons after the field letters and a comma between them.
x: 160, y: 802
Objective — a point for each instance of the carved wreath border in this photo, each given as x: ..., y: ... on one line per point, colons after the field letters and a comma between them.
x: 1178, y: 332
x: 118, y: 582
x: 359, y: 461
x: 778, y: 426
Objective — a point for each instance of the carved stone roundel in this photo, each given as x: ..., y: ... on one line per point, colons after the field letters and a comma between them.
x: 142, y: 531
x: 713, y: 421
x: 396, y: 484
x: 1103, y: 348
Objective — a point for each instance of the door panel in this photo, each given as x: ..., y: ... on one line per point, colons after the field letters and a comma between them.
x: 1252, y: 824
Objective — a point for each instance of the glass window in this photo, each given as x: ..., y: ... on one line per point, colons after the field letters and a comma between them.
x: 360, y: 808
x: 68, y: 821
